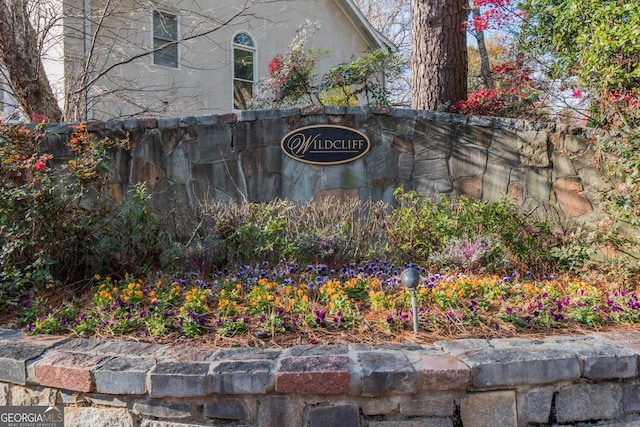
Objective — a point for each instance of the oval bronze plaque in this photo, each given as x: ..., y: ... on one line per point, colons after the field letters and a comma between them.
x: 325, y: 144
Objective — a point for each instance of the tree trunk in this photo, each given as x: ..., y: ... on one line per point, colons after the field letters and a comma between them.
x: 485, y: 66
x: 439, y: 53
x: 20, y: 55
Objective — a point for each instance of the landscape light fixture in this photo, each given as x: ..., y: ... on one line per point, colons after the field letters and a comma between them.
x: 410, y: 279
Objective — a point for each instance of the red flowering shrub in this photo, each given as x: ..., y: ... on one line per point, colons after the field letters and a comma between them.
x: 47, y: 231
x: 494, y: 15
x: 40, y: 118
x: 292, y: 81
x: 492, y: 3
x: 487, y: 20
x: 626, y: 100
x: 515, y: 94
x: 275, y: 65
x: 484, y: 102
x: 40, y: 165
x: 617, y: 110
x: 291, y: 74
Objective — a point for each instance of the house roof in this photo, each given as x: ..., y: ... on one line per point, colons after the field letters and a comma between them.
x: 360, y: 22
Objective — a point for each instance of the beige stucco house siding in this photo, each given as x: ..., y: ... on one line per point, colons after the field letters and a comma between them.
x: 202, y: 83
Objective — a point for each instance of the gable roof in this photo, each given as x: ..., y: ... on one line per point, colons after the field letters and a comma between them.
x: 360, y: 22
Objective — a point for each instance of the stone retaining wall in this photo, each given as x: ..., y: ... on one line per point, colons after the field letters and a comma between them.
x: 194, y: 159
x: 557, y: 381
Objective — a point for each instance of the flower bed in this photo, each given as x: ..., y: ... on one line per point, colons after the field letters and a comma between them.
x: 355, y: 302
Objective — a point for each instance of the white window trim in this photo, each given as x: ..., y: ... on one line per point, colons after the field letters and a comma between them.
x: 153, y: 36
x: 253, y: 49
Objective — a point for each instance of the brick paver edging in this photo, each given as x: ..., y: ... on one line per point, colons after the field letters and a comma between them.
x: 563, y: 380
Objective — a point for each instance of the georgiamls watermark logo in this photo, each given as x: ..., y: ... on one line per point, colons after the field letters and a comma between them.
x: 32, y: 416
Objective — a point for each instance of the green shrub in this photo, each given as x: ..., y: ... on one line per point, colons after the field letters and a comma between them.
x: 46, y: 232
x: 129, y: 239
x: 55, y: 228
x: 291, y: 78
x: 421, y: 226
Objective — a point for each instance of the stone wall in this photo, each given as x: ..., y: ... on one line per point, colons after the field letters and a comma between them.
x: 194, y: 159
x: 556, y: 381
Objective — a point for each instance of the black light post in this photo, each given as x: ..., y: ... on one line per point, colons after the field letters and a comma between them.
x: 410, y: 279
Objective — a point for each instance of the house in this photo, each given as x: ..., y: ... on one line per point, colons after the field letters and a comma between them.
x: 125, y: 58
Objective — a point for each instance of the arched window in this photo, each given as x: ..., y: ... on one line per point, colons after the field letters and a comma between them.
x: 244, y: 52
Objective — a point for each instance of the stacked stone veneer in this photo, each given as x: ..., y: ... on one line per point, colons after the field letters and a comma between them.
x: 194, y: 159
x: 556, y: 381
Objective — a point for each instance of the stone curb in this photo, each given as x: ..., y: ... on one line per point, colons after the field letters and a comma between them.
x: 157, y: 370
